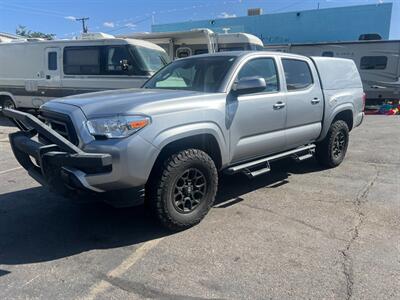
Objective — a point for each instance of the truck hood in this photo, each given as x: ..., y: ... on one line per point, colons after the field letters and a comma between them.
x: 117, y: 102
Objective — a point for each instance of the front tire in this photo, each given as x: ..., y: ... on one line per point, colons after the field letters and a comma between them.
x: 332, y: 150
x: 183, y: 191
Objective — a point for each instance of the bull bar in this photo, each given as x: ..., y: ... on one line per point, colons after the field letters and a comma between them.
x: 59, y: 164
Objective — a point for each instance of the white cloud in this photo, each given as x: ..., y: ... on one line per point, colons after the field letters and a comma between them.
x: 71, y: 18
x: 130, y: 25
x: 226, y: 15
x: 109, y: 24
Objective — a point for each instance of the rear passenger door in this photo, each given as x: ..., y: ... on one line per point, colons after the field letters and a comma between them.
x: 304, y: 100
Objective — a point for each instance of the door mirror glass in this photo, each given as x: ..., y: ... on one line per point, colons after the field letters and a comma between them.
x: 249, y: 85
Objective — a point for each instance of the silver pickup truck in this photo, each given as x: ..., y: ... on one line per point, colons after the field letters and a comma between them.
x: 166, y: 143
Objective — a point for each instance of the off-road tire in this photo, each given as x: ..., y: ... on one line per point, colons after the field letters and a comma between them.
x: 162, y: 187
x: 327, y: 152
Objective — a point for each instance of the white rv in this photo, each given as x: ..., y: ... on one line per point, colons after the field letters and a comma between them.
x: 199, y: 41
x: 33, y: 72
x: 377, y: 61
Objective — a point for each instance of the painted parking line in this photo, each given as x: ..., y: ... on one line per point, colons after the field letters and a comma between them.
x: 129, y: 262
x: 10, y: 170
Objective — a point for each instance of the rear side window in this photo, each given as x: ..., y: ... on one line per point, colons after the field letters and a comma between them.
x: 52, y: 61
x: 82, y: 61
x: 373, y: 63
x: 297, y: 73
x: 264, y: 68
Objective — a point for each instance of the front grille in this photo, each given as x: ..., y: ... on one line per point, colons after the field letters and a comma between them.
x: 61, y: 124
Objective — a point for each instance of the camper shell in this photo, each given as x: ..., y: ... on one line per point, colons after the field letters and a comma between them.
x: 378, y: 63
x: 33, y: 72
x: 200, y: 41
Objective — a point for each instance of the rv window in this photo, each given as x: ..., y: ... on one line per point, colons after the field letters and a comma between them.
x: 328, y: 54
x: 230, y: 49
x: 200, y: 51
x: 52, y: 61
x: 373, y: 62
x: 114, y: 60
x: 297, y: 73
x: 82, y: 60
x: 150, y: 60
x: 264, y: 68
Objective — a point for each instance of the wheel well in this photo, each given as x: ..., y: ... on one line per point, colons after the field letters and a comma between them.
x: 347, y: 116
x: 5, y: 97
x: 204, y: 142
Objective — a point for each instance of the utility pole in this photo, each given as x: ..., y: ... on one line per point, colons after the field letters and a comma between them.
x: 84, y: 25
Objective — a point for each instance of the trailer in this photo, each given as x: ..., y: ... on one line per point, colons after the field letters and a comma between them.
x: 199, y: 41
x: 378, y: 62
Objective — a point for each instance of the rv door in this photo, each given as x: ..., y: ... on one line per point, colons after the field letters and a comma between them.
x: 52, y: 71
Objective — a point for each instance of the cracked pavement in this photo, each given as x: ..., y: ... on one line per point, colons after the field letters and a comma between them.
x: 301, y: 232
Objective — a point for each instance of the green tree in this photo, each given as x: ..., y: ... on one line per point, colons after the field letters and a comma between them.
x: 23, y: 31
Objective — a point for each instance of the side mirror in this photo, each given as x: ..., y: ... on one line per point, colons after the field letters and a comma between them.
x: 249, y: 85
x: 124, y: 64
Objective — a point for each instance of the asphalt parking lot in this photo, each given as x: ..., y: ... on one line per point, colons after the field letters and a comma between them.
x: 301, y: 232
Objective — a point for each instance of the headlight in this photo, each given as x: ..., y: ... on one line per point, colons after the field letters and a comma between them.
x: 117, y: 127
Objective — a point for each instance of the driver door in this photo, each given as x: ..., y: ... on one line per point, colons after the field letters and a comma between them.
x: 257, y: 125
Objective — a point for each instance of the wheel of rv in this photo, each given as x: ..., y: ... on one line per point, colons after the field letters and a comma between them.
x: 184, y: 189
x: 332, y: 150
x: 7, y: 102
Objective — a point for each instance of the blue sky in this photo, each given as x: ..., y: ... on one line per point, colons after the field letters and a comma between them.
x: 122, y: 16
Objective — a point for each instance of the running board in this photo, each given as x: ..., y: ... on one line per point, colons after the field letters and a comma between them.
x: 263, y: 164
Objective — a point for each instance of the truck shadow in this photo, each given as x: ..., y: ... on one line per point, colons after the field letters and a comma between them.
x: 37, y: 226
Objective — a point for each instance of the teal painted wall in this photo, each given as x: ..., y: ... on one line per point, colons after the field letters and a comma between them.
x: 323, y: 25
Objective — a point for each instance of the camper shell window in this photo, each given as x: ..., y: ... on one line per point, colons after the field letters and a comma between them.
x: 373, y: 62
x: 52, y: 61
x: 297, y: 73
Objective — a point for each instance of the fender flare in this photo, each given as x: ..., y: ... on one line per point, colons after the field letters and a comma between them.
x: 173, y: 134
x: 329, y: 118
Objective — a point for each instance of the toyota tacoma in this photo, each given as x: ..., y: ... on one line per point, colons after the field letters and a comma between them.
x: 166, y: 143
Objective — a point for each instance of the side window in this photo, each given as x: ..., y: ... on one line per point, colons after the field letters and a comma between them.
x: 328, y: 54
x: 297, y: 73
x: 373, y: 62
x: 52, y: 61
x: 262, y: 67
x: 118, y: 61
x: 200, y: 51
x: 82, y: 60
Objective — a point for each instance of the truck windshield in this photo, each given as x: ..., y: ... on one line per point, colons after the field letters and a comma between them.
x: 201, y: 74
x: 150, y: 60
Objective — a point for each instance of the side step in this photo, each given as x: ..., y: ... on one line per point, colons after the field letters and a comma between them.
x: 262, y: 166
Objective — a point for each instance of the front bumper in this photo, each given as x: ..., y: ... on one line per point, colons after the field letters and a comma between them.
x: 60, y: 164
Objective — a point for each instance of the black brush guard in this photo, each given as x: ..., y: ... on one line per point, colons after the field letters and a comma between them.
x: 61, y: 165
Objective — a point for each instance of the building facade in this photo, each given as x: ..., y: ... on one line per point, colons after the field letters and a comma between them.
x: 309, y: 26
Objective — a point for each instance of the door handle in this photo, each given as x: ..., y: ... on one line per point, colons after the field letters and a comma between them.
x: 279, y: 105
x: 315, y: 101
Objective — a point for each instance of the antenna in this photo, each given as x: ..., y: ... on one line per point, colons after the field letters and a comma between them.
x: 84, y: 25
